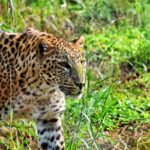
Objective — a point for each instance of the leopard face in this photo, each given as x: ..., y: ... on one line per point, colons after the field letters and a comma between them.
x: 62, y: 65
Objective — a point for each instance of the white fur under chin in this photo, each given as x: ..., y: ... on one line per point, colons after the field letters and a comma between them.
x: 79, y: 96
x: 73, y: 97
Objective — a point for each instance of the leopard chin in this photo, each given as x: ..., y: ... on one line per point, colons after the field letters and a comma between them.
x: 70, y: 91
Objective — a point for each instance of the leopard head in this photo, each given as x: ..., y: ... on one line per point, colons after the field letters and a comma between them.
x: 62, y: 63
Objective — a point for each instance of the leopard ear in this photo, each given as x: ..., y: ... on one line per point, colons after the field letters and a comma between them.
x: 42, y: 48
x: 80, y: 41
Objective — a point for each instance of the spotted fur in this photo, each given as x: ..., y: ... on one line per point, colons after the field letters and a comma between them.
x: 37, y: 71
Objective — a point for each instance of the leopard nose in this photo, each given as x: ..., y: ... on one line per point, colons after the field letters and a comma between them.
x: 80, y: 85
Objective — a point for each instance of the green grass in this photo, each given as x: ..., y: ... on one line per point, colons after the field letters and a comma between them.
x: 116, y: 96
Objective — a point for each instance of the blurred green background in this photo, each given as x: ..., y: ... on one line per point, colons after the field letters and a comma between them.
x: 114, y: 112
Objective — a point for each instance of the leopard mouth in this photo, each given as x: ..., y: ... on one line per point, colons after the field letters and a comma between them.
x: 70, y: 90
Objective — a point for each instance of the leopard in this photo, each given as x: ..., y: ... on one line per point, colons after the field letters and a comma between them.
x: 38, y: 71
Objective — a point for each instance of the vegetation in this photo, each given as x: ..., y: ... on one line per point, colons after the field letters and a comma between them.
x: 114, y: 111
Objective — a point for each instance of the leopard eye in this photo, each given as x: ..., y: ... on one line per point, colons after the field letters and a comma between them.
x: 65, y: 64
